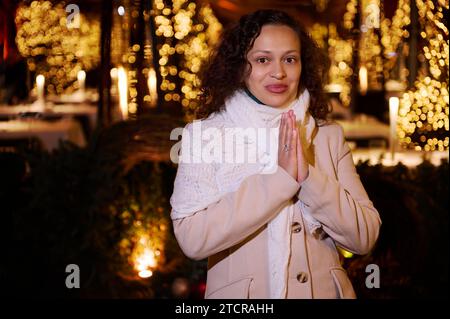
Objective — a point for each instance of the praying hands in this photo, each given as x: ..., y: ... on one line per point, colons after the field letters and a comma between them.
x: 290, y: 152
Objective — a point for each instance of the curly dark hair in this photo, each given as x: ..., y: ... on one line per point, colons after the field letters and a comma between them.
x: 224, y: 73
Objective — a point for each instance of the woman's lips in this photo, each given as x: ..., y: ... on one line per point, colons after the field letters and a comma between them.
x: 276, y: 88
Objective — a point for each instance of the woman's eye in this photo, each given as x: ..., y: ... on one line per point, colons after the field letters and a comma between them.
x: 291, y: 60
x: 262, y: 60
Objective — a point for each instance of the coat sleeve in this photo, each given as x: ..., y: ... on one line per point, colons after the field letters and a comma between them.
x: 236, y: 215
x: 342, y: 206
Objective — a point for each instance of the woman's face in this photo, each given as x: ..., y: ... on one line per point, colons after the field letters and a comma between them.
x: 276, y: 66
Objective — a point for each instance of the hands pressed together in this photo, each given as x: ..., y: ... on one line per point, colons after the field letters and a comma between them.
x: 290, y: 153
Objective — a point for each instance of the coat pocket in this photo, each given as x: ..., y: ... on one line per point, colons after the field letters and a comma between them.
x: 236, y: 290
x: 343, y: 284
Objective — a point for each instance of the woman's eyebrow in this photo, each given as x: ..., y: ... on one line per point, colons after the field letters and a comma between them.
x: 268, y: 52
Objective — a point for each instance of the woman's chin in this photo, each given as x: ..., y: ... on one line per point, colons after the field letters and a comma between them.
x: 278, y: 103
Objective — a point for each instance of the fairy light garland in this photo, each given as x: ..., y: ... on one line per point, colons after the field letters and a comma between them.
x: 54, y: 50
x: 349, y: 15
x: 189, y: 32
x: 394, y: 32
x: 370, y: 49
x: 340, y: 53
x: 424, y: 110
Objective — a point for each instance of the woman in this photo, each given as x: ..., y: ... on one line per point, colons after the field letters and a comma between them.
x: 270, y: 226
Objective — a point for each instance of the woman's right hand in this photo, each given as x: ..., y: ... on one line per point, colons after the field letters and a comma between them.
x: 287, y: 144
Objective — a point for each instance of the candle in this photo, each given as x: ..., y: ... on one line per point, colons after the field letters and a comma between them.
x: 393, y: 113
x: 40, y: 82
x: 123, y: 92
x: 151, y: 82
x: 363, y: 80
x: 81, y: 76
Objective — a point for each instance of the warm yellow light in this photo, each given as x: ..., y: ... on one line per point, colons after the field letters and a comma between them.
x: 113, y: 73
x: 152, y: 88
x: 393, y: 114
x: 146, y: 259
x: 363, y: 82
x: 81, y: 76
x: 183, y: 25
x: 145, y: 273
x: 40, y: 82
x: 345, y: 253
x: 54, y: 49
x: 123, y: 92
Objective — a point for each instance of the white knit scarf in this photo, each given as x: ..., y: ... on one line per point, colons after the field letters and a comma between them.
x: 189, y: 195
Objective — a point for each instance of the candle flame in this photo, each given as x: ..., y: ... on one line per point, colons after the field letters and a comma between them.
x: 145, y: 273
x: 151, y: 82
x: 146, y: 260
x: 81, y: 75
x: 113, y: 73
x: 393, y: 105
x: 363, y: 82
x: 144, y: 257
x: 393, y: 114
x: 40, y: 80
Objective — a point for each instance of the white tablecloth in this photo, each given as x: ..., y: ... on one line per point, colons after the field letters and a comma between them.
x: 364, y: 127
x: 408, y: 158
x: 49, y: 133
x: 59, y: 109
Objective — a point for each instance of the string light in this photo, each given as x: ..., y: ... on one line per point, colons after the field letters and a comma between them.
x: 393, y: 34
x: 349, y: 15
x: 369, y: 46
x: 186, y: 46
x: 340, y: 53
x: 54, y: 50
x: 321, y: 5
x: 424, y: 110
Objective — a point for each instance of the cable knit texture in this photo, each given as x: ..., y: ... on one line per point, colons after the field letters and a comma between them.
x: 199, y: 184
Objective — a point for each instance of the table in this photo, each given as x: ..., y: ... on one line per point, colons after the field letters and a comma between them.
x: 364, y: 127
x: 87, y: 110
x: 49, y: 133
x: 409, y: 158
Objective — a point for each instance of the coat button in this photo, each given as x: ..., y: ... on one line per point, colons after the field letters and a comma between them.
x: 296, y: 227
x: 302, y: 277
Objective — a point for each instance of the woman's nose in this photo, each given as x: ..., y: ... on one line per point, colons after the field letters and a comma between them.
x: 278, y: 71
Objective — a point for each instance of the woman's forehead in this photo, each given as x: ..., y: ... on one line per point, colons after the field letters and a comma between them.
x: 275, y: 38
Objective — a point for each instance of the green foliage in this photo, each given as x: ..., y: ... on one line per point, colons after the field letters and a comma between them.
x: 76, y: 206
x: 412, y: 249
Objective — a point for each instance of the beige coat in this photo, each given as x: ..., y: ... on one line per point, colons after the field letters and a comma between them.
x: 232, y: 232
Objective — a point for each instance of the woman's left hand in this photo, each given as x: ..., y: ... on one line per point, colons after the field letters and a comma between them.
x: 303, y: 168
